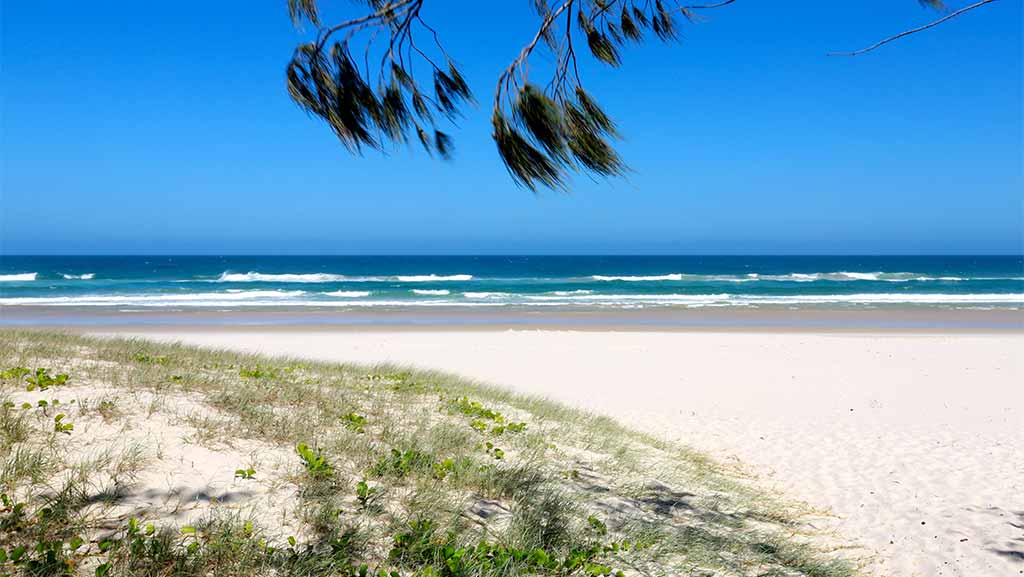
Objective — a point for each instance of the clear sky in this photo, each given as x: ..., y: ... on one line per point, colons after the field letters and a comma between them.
x: 165, y: 127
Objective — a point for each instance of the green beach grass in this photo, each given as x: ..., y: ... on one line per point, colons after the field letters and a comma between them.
x: 155, y: 459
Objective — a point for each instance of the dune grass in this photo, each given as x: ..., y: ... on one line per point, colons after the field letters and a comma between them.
x: 350, y: 470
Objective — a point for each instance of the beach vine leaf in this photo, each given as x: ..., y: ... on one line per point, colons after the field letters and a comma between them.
x: 315, y: 463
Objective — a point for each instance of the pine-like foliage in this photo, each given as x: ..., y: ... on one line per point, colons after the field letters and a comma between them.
x: 374, y: 98
x: 543, y: 135
x: 546, y: 136
x: 369, y: 106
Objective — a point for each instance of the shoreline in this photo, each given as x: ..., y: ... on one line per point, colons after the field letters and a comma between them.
x: 673, y: 319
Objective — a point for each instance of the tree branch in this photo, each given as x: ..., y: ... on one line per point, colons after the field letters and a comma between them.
x: 913, y: 31
x: 507, y: 75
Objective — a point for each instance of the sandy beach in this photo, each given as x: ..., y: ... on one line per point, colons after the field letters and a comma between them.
x: 912, y: 441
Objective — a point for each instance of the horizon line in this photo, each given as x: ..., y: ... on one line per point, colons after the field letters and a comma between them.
x: 506, y: 255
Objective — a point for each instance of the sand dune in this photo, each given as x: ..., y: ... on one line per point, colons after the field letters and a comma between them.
x: 914, y: 442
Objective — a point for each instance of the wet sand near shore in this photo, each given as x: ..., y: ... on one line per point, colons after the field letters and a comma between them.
x: 898, y: 318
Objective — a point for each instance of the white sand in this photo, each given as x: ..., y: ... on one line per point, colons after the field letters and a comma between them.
x: 183, y: 479
x: 915, y: 442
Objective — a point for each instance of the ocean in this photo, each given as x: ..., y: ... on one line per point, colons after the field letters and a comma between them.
x: 536, y: 283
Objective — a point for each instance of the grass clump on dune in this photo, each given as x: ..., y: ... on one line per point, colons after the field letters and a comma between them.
x: 173, y: 460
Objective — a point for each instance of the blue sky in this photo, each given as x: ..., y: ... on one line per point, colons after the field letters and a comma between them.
x: 165, y: 128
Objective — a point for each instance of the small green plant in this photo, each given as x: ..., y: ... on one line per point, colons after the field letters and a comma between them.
x: 364, y: 493
x: 389, y: 376
x: 354, y: 422
x: 423, y: 544
x: 245, y: 474
x: 315, y: 463
x: 61, y: 427
x: 474, y: 409
x: 493, y: 451
x: 14, y: 374
x: 498, y: 430
x: 451, y: 466
x: 258, y: 372
x: 442, y: 469
x: 515, y: 427
x: 154, y: 360
x: 400, y: 463
x: 42, y: 380
x: 597, y: 525
x: 107, y: 409
x: 13, y: 513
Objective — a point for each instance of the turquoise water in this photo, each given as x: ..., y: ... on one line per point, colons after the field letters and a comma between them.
x: 341, y: 283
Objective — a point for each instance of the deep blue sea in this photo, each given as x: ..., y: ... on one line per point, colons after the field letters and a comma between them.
x: 352, y: 282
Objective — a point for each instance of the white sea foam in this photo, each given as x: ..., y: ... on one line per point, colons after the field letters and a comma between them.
x: 486, y: 295
x: 434, y: 278
x: 571, y: 293
x: 253, y: 276
x: 86, y: 276
x: 624, y: 298
x: 748, y: 300
x: 414, y: 303
x: 839, y: 276
x: 431, y: 292
x: 888, y: 298
x: 348, y: 294
x: 228, y: 298
x: 861, y: 275
x: 847, y: 276
x: 18, y: 277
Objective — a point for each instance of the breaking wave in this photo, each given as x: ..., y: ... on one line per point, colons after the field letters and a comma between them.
x: 262, y: 277
x: 840, y: 276
x: 434, y: 278
x: 28, y: 276
x: 348, y: 294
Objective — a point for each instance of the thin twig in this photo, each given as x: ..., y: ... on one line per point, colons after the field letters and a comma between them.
x: 507, y: 75
x: 709, y: 6
x: 913, y: 31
